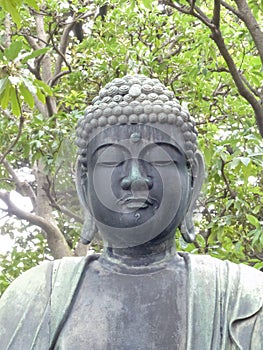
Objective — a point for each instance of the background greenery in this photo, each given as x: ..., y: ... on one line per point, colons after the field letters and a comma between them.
x: 55, y: 55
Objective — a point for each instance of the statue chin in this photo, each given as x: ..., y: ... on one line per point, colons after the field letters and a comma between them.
x: 127, y: 237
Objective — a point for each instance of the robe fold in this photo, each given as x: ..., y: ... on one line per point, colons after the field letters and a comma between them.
x: 224, y: 302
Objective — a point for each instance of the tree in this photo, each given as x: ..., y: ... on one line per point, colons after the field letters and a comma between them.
x: 209, y: 55
x: 216, y: 18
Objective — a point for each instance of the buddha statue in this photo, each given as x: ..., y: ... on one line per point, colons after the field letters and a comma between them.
x: 139, y: 173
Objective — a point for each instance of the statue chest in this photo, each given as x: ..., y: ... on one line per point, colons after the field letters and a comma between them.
x: 115, y: 311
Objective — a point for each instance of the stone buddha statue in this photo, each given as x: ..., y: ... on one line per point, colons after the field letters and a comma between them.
x: 138, y: 176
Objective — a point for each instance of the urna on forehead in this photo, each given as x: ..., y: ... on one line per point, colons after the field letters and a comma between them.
x: 136, y: 100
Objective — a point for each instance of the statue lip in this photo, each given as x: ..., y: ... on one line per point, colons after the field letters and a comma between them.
x: 132, y: 202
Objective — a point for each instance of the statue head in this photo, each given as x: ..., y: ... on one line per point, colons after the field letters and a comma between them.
x: 139, y: 171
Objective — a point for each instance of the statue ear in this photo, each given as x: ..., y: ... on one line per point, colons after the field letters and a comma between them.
x: 198, y: 175
x: 89, y: 228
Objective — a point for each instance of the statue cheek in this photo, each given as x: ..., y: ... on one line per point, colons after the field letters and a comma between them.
x: 102, y: 187
x: 176, y: 192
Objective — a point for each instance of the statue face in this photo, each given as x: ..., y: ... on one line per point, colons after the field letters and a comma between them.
x: 139, y: 184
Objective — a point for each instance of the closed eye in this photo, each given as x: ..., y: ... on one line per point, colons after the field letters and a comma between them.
x: 109, y: 163
x: 161, y: 155
x: 163, y: 162
x: 111, y: 155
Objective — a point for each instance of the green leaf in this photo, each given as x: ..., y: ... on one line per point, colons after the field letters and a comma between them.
x: 11, y: 7
x: 253, y: 220
x: 34, y: 54
x: 147, y: 4
x: 132, y: 5
x: 13, y: 50
x: 14, y: 102
x: 32, y: 3
x: 41, y: 96
x: 201, y: 241
x: 229, y: 203
x: 27, y: 95
x: 245, y: 160
x: 257, y: 234
x: 259, y: 265
x: 46, y: 88
x: 3, y: 83
x: 208, y: 153
x: 4, y: 98
x: 29, y: 86
x: 234, y: 163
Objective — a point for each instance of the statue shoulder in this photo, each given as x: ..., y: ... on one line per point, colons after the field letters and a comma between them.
x: 248, y: 277
x: 233, y: 292
x: 37, y: 279
x: 21, y: 306
x: 37, y: 282
x: 38, y: 295
x: 34, y: 279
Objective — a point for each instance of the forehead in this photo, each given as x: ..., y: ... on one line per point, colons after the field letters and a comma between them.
x: 137, y: 134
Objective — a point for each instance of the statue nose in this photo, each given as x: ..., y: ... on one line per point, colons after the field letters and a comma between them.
x: 136, y: 181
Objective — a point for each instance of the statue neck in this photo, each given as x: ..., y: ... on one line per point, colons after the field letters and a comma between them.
x: 155, y: 253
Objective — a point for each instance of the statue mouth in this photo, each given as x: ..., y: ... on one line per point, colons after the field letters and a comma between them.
x: 135, y: 202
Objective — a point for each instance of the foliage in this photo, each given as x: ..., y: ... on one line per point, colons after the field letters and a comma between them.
x: 56, y: 55
x: 28, y: 250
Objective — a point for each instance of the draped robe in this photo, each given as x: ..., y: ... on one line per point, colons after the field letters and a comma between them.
x: 224, y: 305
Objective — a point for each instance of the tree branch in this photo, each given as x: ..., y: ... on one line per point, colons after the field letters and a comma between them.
x: 231, y: 192
x: 230, y: 8
x: 7, y: 114
x: 237, y: 77
x: 53, y: 233
x: 216, y: 14
x: 252, y: 25
x: 192, y: 10
x: 254, y: 91
x: 23, y: 187
x: 198, y: 13
x: 62, y: 49
x: 46, y: 62
x: 67, y: 212
x: 58, y: 76
x: 40, y: 106
x: 54, y: 203
x: 8, y: 30
x: 31, y: 42
x: 20, y: 127
x: 51, y: 106
x: 244, y: 13
x: 40, y: 27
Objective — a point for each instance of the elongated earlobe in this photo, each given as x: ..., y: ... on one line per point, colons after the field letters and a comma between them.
x: 89, y: 227
x: 187, y: 229
x: 187, y: 226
